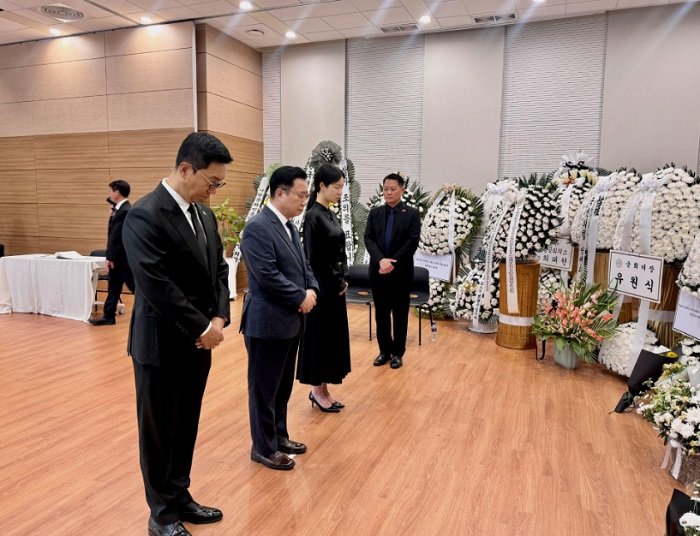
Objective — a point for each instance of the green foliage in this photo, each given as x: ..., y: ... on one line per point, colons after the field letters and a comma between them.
x: 229, y: 222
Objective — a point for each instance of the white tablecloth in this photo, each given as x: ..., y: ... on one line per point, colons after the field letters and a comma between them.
x: 40, y: 283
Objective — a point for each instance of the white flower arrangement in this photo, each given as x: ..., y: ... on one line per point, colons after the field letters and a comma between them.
x: 689, y: 278
x: 690, y: 352
x: 434, y: 236
x: 574, y: 178
x: 690, y: 522
x: 675, y: 213
x: 550, y: 281
x: 539, y: 220
x: 439, y: 301
x: 619, y: 187
x: 465, y: 292
x: 615, y: 351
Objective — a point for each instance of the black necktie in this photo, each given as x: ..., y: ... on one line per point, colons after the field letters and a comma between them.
x: 199, y: 231
x: 295, y: 238
x: 389, y: 231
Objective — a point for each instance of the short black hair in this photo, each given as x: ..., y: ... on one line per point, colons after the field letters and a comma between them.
x: 201, y: 149
x: 120, y: 186
x: 394, y: 177
x: 284, y: 177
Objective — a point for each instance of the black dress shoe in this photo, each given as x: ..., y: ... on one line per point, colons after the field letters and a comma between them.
x: 104, y: 321
x: 338, y: 405
x: 329, y: 409
x: 287, y: 446
x: 396, y: 362
x: 382, y: 359
x: 200, y: 515
x: 173, y: 529
x: 277, y: 460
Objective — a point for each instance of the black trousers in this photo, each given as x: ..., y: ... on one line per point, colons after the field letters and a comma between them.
x: 168, y: 404
x: 118, y: 276
x: 391, y: 303
x: 271, y: 364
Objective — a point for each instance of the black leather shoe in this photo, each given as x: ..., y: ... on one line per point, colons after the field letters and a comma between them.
x: 278, y: 460
x: 382, y: 359
x: 104, y: 321
x: 173, y: 529
x: 290, y: 447
x: 396, y: 362
x: 338, y: 405
x: 200, y: 515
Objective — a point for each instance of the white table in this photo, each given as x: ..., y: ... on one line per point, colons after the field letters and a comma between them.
x: 40, y: 283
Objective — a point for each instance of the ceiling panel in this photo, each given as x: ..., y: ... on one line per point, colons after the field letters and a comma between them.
x: 312, y: 20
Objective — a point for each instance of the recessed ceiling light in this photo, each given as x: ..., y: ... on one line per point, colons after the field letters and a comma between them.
x: 55, y: 31
x: 255, y: 32
x: 291, y: 34
x: 146, y: 20
x: 425, y: 19
x: 245, y: 5
x: 539, y: 1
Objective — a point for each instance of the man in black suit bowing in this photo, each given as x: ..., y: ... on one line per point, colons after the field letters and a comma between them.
x: 281, y: 289
x: 391, y: 239
x: 180, y: 310
x: 117, y: 264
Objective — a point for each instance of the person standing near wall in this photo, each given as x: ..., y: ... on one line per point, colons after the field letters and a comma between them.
x: 391, y: 239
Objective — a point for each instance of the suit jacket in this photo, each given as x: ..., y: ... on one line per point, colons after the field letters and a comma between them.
x: 178, y: 291
x: 278, y: 277
x: 115, y: 244
x: 404, y: 242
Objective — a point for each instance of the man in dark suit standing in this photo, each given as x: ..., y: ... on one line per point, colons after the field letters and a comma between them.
x: 180, y: 310
x: 391, y: 239
x: 281, y: 289
x: 117, y: 264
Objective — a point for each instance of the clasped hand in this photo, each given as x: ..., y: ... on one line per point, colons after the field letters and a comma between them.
x: 214, y: 337
x: 386, y: 266
x: 309, y: 302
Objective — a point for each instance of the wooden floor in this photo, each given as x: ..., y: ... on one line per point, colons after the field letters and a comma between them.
x: 466, y: 439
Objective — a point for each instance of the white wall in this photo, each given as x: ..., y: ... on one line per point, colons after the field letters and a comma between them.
x: 463, y: 78
x: 312, y: 98
x: 651, y: 103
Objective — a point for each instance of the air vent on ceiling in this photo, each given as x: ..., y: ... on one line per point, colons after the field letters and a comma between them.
x: 488, y: 19
x: 398, y: 28
x: 255, y: 32
x: 62, y: 13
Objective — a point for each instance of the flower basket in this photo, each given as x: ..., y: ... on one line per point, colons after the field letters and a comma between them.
x: 661, y: 314
x: 628, y: 311
x: 566, y: 357
x: 515, y: 330
x: 690, y: 469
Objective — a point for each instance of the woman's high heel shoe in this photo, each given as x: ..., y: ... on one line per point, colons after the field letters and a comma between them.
x: 338, y: 405
x: 331, y: 409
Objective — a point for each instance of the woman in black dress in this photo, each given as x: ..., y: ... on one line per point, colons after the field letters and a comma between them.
x: 325, y: 350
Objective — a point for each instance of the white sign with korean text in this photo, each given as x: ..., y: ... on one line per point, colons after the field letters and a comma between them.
x: 559, y: 254
x: 687, y: 319
x: 636, y: 275
x: 439, y: 266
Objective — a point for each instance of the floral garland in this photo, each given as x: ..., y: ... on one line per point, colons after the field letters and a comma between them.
x: 538, y: 202
x: 436, y: 228
x: 462, y: 300
x: 615, y: 352
x: 690, y: 352
x: 620, y: 187
x: 414, y: 196
x: 439, y: 301
x: 675, y: 214
x: 574, y: 178
x: 689, y: 278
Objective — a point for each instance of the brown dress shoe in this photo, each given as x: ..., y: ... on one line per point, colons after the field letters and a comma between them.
x: 172, y: 529
x: 277, y: 460
x: 199, y: 515
x: 286, y: 445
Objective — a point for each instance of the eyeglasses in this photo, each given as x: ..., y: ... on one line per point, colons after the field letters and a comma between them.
x: 213, y: 185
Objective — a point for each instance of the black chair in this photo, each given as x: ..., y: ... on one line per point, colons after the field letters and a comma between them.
x: 2, y: 250
x: 420, y: 295
x: 359, y: 290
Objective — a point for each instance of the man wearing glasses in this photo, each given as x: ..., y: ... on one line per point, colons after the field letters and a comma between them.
x: 281, y: 289
x: 180, y: 310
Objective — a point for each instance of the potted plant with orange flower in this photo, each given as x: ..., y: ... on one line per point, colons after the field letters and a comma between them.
x: 578, y: 318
